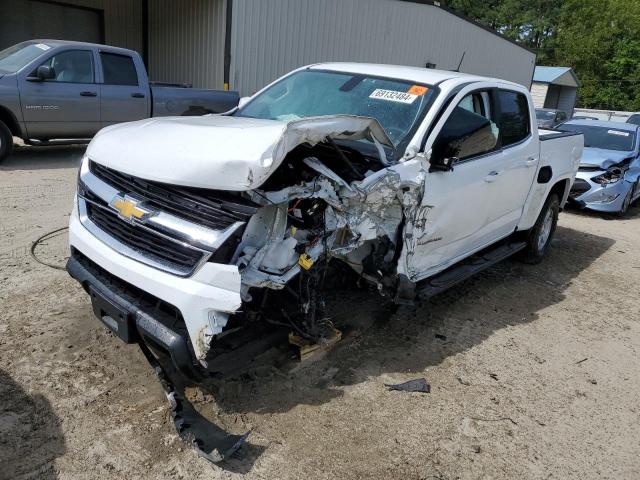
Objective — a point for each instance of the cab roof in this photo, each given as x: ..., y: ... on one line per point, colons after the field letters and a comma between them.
x: 427, y: 76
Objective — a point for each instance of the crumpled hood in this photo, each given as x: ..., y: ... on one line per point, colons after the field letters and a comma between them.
x: 217, y: 151
x: 598, y: 157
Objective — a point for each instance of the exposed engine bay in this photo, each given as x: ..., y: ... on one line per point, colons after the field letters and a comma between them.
x: 325, y: 203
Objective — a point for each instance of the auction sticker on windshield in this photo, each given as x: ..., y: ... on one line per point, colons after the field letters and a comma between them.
x: 393, y: 96
x: 618, y: 132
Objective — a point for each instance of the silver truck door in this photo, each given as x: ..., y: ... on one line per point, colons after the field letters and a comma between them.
x: 67, y: 105
x: 124, y: 95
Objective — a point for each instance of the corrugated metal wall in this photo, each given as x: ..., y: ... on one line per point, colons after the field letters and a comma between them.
x: 186, y: 41
x: 122, y: 20
x: 272, y: 37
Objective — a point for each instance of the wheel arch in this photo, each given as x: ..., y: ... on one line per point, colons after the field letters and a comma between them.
x: 8, y: 118
x: 560, y: 187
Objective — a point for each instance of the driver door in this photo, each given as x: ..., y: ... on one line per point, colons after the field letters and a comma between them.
x: 457, y: 204
x: 67, y: 105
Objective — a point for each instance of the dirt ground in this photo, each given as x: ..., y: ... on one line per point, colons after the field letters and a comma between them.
x: 534, y: 370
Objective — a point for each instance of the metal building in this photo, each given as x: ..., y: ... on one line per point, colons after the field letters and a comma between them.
x: 555, y: 87
x: 245, y: 44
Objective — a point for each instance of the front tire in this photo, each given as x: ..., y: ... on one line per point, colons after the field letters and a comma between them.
x: 6, y: 141
x: 627, y: 202
x: 540, y: 236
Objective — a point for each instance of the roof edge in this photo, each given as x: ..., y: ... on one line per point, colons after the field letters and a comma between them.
x: 434, y: 3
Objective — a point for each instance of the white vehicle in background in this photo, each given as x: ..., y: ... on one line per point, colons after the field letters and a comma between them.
x: 190, y: 232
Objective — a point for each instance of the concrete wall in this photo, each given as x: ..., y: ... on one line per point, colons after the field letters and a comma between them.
x: 186, y: 42
x: 607, y: 115
x: 272, y: 37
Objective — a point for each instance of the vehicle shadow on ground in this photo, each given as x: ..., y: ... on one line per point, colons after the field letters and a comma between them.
x: 36, y: 158
x: 30, y: 434
x: 412, y: 339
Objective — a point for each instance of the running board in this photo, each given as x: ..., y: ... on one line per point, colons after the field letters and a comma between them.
x: 467, y: 268
x: 55, y: 143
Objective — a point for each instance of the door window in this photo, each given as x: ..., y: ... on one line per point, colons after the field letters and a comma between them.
x: 72, y: 66
x: 118, y: 69
x: 470, y: 130
x: 514, y: 117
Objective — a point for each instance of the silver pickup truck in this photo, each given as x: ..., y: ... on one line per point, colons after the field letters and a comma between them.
x: 53, y: 89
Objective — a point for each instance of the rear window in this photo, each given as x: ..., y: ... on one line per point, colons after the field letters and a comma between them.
x: 118, y: 69
x: 514, y: 117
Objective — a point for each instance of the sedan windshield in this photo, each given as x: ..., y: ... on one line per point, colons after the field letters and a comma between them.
x: 603, y: 137
x: 398, y: 105
x: 14, y: 58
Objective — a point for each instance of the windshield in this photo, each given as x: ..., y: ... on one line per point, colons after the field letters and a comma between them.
x: 635, y: 119
x: 542, y: 115
x: 14, y: 58
x: 603, y: 137
x: 397, y: 104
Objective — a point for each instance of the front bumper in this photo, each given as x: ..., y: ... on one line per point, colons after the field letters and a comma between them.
x: 133, y: 321
x: 204, y: 299
x: 601, y: 198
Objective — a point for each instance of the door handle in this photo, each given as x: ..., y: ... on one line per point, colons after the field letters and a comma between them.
x: 88, y: 94
x: 531, y: 161
x: 492, y: 176
x: 137, y: 95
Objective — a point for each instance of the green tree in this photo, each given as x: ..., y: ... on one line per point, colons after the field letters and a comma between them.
x: 599, y: 39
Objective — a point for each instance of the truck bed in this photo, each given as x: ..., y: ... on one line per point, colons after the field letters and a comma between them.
x: 171, y: 101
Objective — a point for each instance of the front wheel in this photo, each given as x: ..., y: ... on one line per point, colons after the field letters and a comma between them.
x: 6, y: 141
x: 539, y: 237
x: 627, y: 202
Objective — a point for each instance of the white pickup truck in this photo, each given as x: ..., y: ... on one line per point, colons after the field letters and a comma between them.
x: 190, y: 231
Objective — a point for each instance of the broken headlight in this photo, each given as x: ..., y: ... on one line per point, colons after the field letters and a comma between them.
x: 612, y: 175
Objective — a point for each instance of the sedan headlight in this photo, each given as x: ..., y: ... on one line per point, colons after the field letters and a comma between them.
x: 613, y: 175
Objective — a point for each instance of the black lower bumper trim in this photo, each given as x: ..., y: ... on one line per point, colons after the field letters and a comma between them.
x: 128, y: 316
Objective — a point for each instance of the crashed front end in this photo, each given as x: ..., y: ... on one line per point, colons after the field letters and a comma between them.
x: 181, y: 265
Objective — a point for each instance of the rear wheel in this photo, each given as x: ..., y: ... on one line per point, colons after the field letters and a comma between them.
x: 540, y: 236
x: 6, y: 141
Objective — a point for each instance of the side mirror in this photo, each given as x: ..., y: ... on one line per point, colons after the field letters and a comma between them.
x: 441, y: 164
x: 44, y: 72
x: 243, y: 101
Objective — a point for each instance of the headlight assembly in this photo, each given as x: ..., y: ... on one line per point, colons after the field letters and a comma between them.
x: 613, y: 175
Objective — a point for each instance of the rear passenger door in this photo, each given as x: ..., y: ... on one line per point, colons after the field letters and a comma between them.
x: 519, y: 159
x: 124, y: 95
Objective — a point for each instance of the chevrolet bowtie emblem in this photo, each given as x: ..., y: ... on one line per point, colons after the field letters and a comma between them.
x: 130, y: 209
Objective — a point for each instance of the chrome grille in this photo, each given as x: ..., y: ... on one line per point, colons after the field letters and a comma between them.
x: 170, y: 254
x: 163, y: 239
x: 211, y: 208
